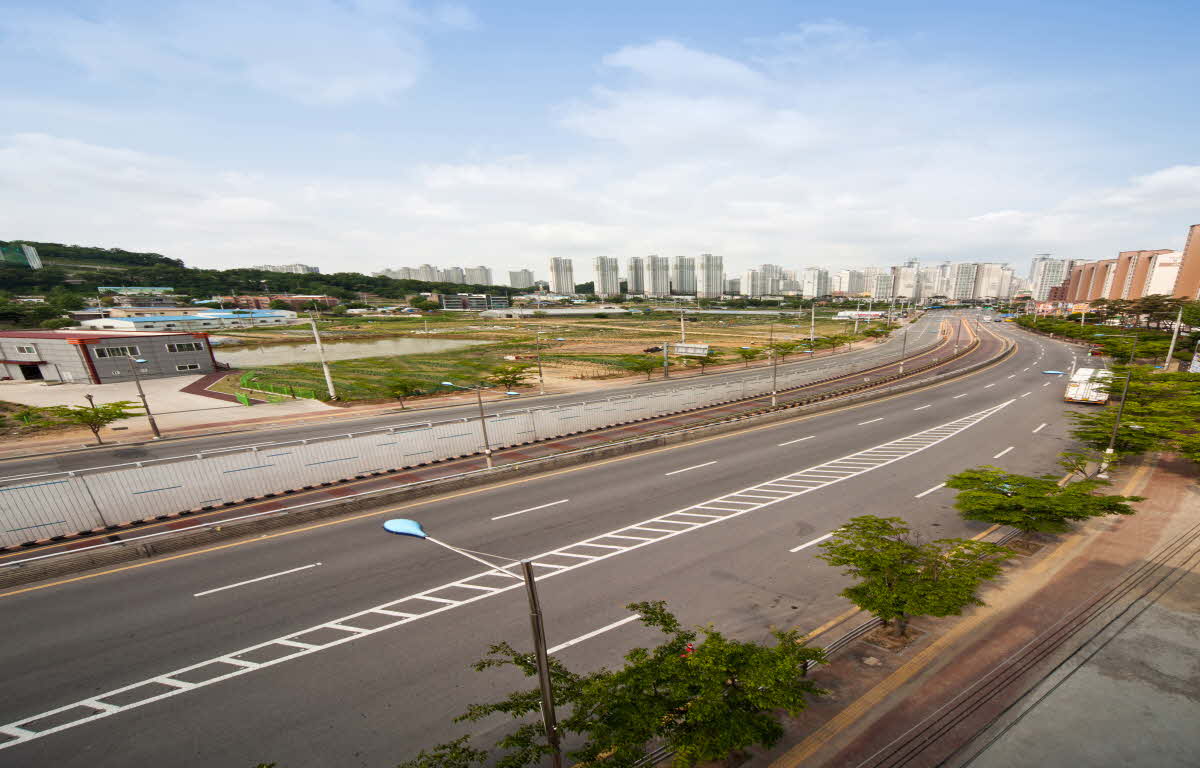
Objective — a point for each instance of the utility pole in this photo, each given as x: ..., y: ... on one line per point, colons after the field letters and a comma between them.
x: 666, y: 361
x: 682, y: 327
x: 487, y: 446
x: 312, y: 318
x: 1174, y: 339
x: 774, y: 378
x: 812, y: 328
x: 142, y: 395
x: 537, y: 336
x: 903, y: 348
x: 549, y: 721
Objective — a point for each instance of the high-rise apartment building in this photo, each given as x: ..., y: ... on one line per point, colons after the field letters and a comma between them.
x: 1046, y: 273
x: 814, y: 282
x: 562, y: 276
x: 294, y: 269
x: 711, y: 280
x: 607, y: 278
x: 683, y: 276
x: 478, y: 275
x: 733, y: 286
x: 847, y: 282
x: 962, y: 286
x: 656, y: 276
x: 634, y: 276
x: 428, y: 273
x: 1187, y: 281
x: 1161, y: 276
x: 452, y: 275
x: 521, y: 278
x: 755, y: 283
x: 905, y: 281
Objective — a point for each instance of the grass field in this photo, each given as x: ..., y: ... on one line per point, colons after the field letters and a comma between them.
x: 577, y: 347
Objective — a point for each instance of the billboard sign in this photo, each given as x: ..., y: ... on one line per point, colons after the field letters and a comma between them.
x: 690, y: 350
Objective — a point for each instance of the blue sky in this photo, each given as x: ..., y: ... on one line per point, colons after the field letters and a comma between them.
x: 366, y: 134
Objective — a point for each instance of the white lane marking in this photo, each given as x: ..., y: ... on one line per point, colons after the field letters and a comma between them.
x: 237, y: 666
x: 1046, y: 384
x: 985, y: 386
x: 593, y: 633
x: 923, y: 407
x: 817, y: 540
x: 523, y: 511
x: 923, y: 494
x: 1040, y: 427
x: 797, y: 440
x: 872, y: 421
x: 1027, y: 394
x: 1024, y: 369
x: 687, y: 469
x: 964, y: 394
x: 1013, y: 376
x: 260, y: 578
x: 1006, y: 450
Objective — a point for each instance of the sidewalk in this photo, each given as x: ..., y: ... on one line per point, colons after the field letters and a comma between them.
x: 1136, y: 703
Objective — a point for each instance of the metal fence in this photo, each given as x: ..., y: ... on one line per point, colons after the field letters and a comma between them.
x: 42, y: 506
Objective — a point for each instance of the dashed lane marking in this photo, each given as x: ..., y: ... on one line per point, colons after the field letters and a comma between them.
x: 421, y: 605
x: 1006, y: 450
x: 923, y: 494
x: 531, y: 509
x: 689, y: 469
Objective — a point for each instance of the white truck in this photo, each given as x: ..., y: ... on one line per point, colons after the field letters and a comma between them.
x: 1086, y: 385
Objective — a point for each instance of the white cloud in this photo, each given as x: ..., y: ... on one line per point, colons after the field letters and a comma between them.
x: 826, y: 147
x: 455, y: 15
x: 319, y: 52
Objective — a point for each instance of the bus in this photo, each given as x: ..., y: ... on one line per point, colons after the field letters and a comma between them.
x: 1087, y: 385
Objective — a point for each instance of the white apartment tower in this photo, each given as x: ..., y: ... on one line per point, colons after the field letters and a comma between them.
x: 634, y: 283
x: 711, y: 279
x: 814, y: 282
x: 1046, y: 274
x: 521, y: 278
x: 428, y: 273
x: 683, y: 276
x: 656, y: 276
x: 453, y: 275
x: 607, y: 279
x: 562, y: 276
x: 479, y: 276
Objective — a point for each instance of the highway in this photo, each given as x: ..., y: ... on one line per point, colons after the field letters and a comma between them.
x: 377, y: 694
x: 921, y: 333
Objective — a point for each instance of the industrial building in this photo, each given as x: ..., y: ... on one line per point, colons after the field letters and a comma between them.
x: 101, y: 357
x: 198, y: 321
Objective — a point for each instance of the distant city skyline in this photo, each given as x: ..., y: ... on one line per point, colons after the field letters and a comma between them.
x: 860, y: 134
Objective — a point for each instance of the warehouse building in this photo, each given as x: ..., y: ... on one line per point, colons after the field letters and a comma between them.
x: 101, y: 357
x: 199, y: 321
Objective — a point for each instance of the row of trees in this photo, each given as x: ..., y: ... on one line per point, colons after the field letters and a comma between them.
x: 1154, y: 309
x: 1117, y: 342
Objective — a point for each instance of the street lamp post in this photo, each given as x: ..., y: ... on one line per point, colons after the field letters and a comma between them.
x: 1174, y: 339
x: 403, y: 527
x: 903, y: 348
x: 133, y: 364
x: 774, y: 378
x: 487, y: 446
x: 538, y: 344
x: 312, y: 318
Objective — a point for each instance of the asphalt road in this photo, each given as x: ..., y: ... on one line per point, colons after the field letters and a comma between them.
x: 921, y: 333
x: 379, y: 697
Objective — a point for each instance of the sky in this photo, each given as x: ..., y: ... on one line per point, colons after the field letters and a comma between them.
x: 359, y: 135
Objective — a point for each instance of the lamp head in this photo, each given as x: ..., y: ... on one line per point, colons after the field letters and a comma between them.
x: 405, y: 527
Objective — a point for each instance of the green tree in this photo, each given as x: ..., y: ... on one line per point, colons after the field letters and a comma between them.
x: 748, y: 354
x: 712, y: 357
x: 783, y: 349
x: 991, y: 495
x: 705, y: 695
x: 901, y: 576
x: 508, y: 376
x: 94, y: 417
x: 645, y: 364
x: 1032, y: 504
x: 279, y: 304
x: 57, y: 322
x: 401, y: 388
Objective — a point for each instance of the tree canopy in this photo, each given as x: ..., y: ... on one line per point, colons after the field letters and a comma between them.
x: 991, y: 495
x: 901, y: 576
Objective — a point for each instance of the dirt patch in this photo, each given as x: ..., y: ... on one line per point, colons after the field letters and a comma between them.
x: 1025, y: 547
x: 883, y: 637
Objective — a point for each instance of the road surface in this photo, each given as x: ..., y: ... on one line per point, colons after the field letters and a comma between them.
x: 376, y: 697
